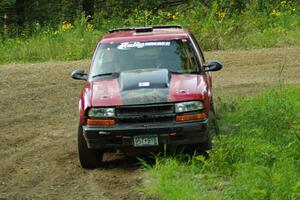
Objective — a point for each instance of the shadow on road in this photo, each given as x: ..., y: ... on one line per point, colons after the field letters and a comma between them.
x: 112, y: 160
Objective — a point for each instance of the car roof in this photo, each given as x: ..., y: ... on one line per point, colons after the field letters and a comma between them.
x: 145, y: 34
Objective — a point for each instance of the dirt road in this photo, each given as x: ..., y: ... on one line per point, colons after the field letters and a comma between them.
x: 38, y: 120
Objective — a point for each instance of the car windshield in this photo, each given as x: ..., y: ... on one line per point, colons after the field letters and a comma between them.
x: 177, y: 56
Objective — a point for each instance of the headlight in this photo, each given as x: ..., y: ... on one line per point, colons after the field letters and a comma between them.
x: 188, y: 106
x: 101, y: 112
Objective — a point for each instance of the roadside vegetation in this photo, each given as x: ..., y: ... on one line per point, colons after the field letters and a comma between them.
x: 257, y: 155
x: 216, y: 24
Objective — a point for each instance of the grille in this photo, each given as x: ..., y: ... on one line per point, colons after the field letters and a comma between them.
x: 156, y: 113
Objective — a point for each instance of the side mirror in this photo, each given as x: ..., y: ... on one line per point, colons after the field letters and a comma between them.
x: 79, y: 74
x: 213, y: 66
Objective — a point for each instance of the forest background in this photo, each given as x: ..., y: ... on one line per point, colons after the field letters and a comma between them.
x: 35, y: 30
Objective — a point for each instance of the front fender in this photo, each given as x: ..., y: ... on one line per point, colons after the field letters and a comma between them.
x: 84, y: 102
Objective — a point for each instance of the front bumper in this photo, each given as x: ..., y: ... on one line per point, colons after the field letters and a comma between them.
x: 121, y: 136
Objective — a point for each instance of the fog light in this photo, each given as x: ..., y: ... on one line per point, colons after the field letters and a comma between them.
x: 173, y: 134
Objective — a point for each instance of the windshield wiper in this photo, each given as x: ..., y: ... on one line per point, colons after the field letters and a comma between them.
x: 107, y: 74
x: 176, y: 72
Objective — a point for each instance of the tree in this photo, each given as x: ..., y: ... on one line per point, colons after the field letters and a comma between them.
x: 88, y: 7
x: 20, y: 12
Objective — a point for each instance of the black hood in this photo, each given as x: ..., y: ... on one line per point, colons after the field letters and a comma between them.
x: 145, y: 86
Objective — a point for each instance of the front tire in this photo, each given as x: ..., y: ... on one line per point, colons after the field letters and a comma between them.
x: 89, y: 158
x: 212, y: 131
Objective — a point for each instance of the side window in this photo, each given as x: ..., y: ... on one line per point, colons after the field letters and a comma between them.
x: 198, y: 48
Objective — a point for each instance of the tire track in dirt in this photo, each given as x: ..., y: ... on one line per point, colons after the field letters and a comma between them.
x: 38, y: 122
x: 251, y: 71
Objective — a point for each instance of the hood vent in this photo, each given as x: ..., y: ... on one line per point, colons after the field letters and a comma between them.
x: 144, y: 79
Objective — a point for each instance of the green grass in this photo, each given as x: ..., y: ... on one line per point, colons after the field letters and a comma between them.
x: 46, y: 44
x: 66, y: 46
x: 219, y: 28
x: 215, y: 28
x: 257, y: 157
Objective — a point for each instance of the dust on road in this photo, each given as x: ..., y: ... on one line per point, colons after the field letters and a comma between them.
x: 38, y: 122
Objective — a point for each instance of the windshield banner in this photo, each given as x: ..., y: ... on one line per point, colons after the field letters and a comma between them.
x: 127, y: 45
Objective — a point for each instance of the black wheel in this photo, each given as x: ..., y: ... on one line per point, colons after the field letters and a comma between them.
x: 213, y: 126
x: 212, y: 131
x: 89, y: 158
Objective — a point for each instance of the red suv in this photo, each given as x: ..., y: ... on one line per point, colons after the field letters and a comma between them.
x: 147, y: 88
